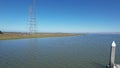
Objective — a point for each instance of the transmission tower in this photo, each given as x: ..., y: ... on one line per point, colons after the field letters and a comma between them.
x: 32, y: 17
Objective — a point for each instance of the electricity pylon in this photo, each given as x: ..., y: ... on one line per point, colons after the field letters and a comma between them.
x: 32, y: 18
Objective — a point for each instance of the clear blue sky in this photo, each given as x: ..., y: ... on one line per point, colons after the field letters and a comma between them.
x: 62, y: 15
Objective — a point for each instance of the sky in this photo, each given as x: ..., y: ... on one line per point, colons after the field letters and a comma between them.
x: 69, y: 16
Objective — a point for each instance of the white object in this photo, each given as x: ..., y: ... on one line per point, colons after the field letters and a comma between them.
x: 113, y: 44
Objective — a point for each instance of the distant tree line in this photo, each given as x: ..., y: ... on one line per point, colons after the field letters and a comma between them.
x: 1, y: 32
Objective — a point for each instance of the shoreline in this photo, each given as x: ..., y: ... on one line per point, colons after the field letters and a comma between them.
x: 11, y: 36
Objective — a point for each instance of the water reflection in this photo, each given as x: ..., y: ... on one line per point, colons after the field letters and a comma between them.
x: 32, y: 54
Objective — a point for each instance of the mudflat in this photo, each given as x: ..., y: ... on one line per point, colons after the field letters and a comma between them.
x: 15, y: 35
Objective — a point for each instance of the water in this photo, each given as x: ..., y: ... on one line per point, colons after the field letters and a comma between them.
x: 88, y: 51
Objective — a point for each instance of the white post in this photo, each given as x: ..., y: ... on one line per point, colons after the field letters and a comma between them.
x: 112, y: 55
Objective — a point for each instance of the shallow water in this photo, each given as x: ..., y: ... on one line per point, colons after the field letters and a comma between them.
x: 88, y: 51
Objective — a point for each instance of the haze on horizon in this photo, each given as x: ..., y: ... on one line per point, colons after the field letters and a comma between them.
x: 62, y: 15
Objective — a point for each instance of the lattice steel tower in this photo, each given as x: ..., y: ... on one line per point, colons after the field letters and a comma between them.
x: 32, y: 17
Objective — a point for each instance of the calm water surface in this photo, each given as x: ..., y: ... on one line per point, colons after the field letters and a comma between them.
x: 89, y: 51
